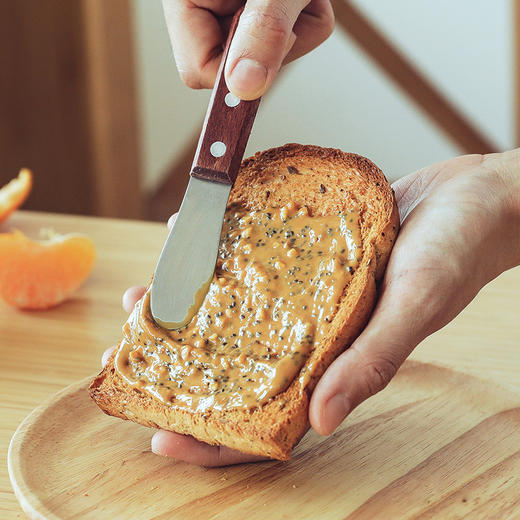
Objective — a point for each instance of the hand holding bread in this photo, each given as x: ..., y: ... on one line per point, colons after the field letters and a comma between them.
x: 307, y: 234
x: 251, y: 398
x: 460, y: 229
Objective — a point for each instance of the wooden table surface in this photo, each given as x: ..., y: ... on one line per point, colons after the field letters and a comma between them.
x: 42, y: 352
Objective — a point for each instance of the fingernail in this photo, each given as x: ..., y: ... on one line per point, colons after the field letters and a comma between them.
x: 248, y: 78
x: 336, y: 409
x: 157, y: 443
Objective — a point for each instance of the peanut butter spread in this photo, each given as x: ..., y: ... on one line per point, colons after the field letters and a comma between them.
x: 278, y: 281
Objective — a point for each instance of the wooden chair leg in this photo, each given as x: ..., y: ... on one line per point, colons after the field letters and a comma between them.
x: 414, y: 84
x: 113, y: 107
x: 43, y: 103
x: 68, y: 105
x: 167, y: 196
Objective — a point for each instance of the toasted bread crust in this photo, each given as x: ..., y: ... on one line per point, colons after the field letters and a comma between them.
x: 327, y: 181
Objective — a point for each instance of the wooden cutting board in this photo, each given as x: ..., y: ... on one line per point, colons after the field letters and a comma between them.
x: 435, y: 444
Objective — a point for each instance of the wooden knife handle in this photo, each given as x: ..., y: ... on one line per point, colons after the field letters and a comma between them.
x: 226, y: 128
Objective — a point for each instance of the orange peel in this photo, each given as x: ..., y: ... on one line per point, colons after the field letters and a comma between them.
x: 42, y: 274
x: 14, y: 193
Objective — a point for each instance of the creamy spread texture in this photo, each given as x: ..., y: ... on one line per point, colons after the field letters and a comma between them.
x: 279, y: 278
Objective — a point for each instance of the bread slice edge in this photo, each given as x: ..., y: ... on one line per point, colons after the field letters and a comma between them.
x: 274, y: 429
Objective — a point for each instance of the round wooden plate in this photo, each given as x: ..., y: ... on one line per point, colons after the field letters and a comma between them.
x: 435, y: 444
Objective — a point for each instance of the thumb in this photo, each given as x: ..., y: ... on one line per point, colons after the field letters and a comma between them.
x: 262, y: 40
x: 395, y: 329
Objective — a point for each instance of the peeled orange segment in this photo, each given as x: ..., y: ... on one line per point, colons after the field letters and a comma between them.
x: 41, y: 274
x: 14, y: 193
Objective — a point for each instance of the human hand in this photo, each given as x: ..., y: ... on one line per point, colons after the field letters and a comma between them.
x: 175, y: 445
x: 460, y: 229
x: 270, y: 33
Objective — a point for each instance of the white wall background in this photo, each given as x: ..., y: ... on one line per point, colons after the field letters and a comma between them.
x: 336, y: 97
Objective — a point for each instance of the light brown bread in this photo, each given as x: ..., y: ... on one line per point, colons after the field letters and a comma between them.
x: 327, y: 181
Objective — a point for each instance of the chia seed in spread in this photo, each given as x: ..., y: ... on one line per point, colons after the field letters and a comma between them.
x: 279, y: 278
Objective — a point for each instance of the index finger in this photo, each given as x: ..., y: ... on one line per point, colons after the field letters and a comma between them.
x: 197, y: 37
x: 188, y: 449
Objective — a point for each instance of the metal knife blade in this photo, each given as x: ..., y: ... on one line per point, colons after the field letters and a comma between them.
x: 187, y: 261
x: 188, y: 258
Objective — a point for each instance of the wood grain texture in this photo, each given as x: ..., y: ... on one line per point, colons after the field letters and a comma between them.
x: 44, y: 103
x: 68, y: 105
x: 166, y: 198
x: 42, y: 352
x: 407, y: 76
x: 410, y: 454
x: 112, y: 94
x: 230, y: 125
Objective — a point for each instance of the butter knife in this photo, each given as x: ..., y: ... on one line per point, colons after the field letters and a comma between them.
x: 187, y: 262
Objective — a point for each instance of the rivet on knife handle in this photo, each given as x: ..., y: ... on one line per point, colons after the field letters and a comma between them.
x: 226, y: 128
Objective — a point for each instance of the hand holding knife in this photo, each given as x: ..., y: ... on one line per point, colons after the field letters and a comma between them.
x: 188, y: 258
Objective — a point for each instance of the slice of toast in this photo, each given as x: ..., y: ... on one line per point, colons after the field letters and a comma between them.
x: 328, y: 182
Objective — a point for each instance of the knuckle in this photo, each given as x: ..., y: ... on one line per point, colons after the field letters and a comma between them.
x: 378, y: 374
x: 269, y: 22
x: 328, y: 23
x: 322, y: 20
x: 190, y: 78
